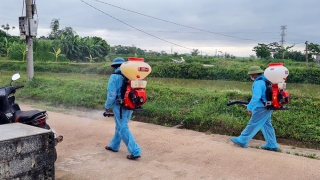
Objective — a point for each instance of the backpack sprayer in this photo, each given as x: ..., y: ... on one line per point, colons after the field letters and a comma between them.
x: 133, y: 92
x: 276, y: 95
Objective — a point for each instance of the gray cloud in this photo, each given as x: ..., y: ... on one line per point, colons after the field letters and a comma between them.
x: 258, y: 21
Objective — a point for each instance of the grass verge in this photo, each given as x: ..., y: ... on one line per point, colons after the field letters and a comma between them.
x: 199, y: 109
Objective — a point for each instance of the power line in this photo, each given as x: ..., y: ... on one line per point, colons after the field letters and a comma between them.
x: 100, y: 27
x: 193, y: 32
x: 135, y: 27
x: 193, y: 39
x: 22, y: 7
x: 303, y: 34
x: 132, y: 36
x: 174, y: 22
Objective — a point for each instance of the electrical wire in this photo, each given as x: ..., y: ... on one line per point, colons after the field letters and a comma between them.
x: 144, y: 31
x: 164, y: 21
x: 247, y: 39
x: 135, y: 27
x: 304, y: 35
x: 22, y: 7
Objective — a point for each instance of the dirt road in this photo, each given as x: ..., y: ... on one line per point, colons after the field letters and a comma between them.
x: 167, y: 153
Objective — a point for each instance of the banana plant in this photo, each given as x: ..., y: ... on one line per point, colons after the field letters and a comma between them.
x: 7, y: 46
x: 19, y: 48
x: 91, y: 59
x: 56, y: 53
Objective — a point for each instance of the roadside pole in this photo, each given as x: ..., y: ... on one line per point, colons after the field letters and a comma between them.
x: 306, y: 53
x: 29, y: 42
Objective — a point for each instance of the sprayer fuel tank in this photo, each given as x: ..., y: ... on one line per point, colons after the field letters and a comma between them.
x: 276, y: 73
x: 135, y: 68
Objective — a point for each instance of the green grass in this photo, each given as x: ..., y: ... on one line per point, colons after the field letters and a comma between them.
x: 197, y: 104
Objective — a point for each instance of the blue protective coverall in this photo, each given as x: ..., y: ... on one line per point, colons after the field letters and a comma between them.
x: 122, y: 131
x: 260, y: 118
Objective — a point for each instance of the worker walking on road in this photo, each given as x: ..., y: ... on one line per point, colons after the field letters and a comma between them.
x: 121, y: 116
x: 260, y: 116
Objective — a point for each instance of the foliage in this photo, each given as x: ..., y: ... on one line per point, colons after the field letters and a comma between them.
x: 55, y: 33
x: 60, y: 67
x: 2, y: 33
x: 57, y: 53
x: 126, y: 50
x: 231, y: 71
x: 195, y: 52
x: 200, y: 109
x: 262, y: 50
x: 7, y: 27
x: 18, y: 51
x: 314, y: 48
x: 294, y: 55
x: 42, y: 49
x: 197, y: 71
x: 72, y: 46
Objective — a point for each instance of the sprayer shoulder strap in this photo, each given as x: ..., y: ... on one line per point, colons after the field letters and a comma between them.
x: 122, y: 90
x: 123, y: 86
x: 118, y: 73
x: 265, y: 80
x: 268, y: 90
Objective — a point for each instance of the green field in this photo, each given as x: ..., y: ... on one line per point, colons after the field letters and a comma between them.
x: 197, y: 104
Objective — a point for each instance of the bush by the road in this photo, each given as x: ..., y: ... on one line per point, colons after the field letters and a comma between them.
x: 197, y: 109
x: 236, y: 71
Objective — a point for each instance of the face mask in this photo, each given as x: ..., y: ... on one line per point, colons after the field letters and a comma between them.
x: 252, y: 78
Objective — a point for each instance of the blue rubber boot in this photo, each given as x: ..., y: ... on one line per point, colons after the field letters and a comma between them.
x: 269, y: 148
x: 235, y: 141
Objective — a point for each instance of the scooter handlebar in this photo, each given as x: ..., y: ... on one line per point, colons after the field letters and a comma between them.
x: 18, y: 87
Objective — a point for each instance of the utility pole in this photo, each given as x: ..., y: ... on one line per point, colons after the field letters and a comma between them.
x: 29, y: 42
x: 306, y: 53
x: 283, y: 28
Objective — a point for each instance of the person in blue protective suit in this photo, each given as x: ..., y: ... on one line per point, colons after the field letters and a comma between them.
x: 260, y: 116
x: 122, y: 118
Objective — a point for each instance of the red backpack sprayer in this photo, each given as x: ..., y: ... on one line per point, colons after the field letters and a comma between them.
x: 276, y: 94
x: 133, y: 90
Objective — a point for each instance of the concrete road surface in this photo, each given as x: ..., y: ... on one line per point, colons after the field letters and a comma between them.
x: 167, y: 153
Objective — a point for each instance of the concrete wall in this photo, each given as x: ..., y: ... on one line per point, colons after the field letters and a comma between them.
x: 26, y: 152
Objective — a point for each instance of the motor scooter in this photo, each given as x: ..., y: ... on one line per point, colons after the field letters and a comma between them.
x: 10, y: 112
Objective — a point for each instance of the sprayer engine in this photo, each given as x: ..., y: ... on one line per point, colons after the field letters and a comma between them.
x: 135, y: 70
x: 277, y: 98
x: 134, y: 98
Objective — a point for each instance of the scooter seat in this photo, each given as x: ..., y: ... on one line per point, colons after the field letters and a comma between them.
x: 25, y: 116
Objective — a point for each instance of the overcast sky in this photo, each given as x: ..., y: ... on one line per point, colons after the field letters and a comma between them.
x: 233, y: 26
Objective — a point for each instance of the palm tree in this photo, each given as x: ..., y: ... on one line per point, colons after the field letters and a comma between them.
x: 7, y: 27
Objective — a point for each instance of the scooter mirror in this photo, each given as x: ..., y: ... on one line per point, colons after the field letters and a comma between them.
x: 15, y: 76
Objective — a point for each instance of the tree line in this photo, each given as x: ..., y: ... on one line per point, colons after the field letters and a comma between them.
x: 277, y: 51
x: 65, y: 45
x: 60, y: 45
